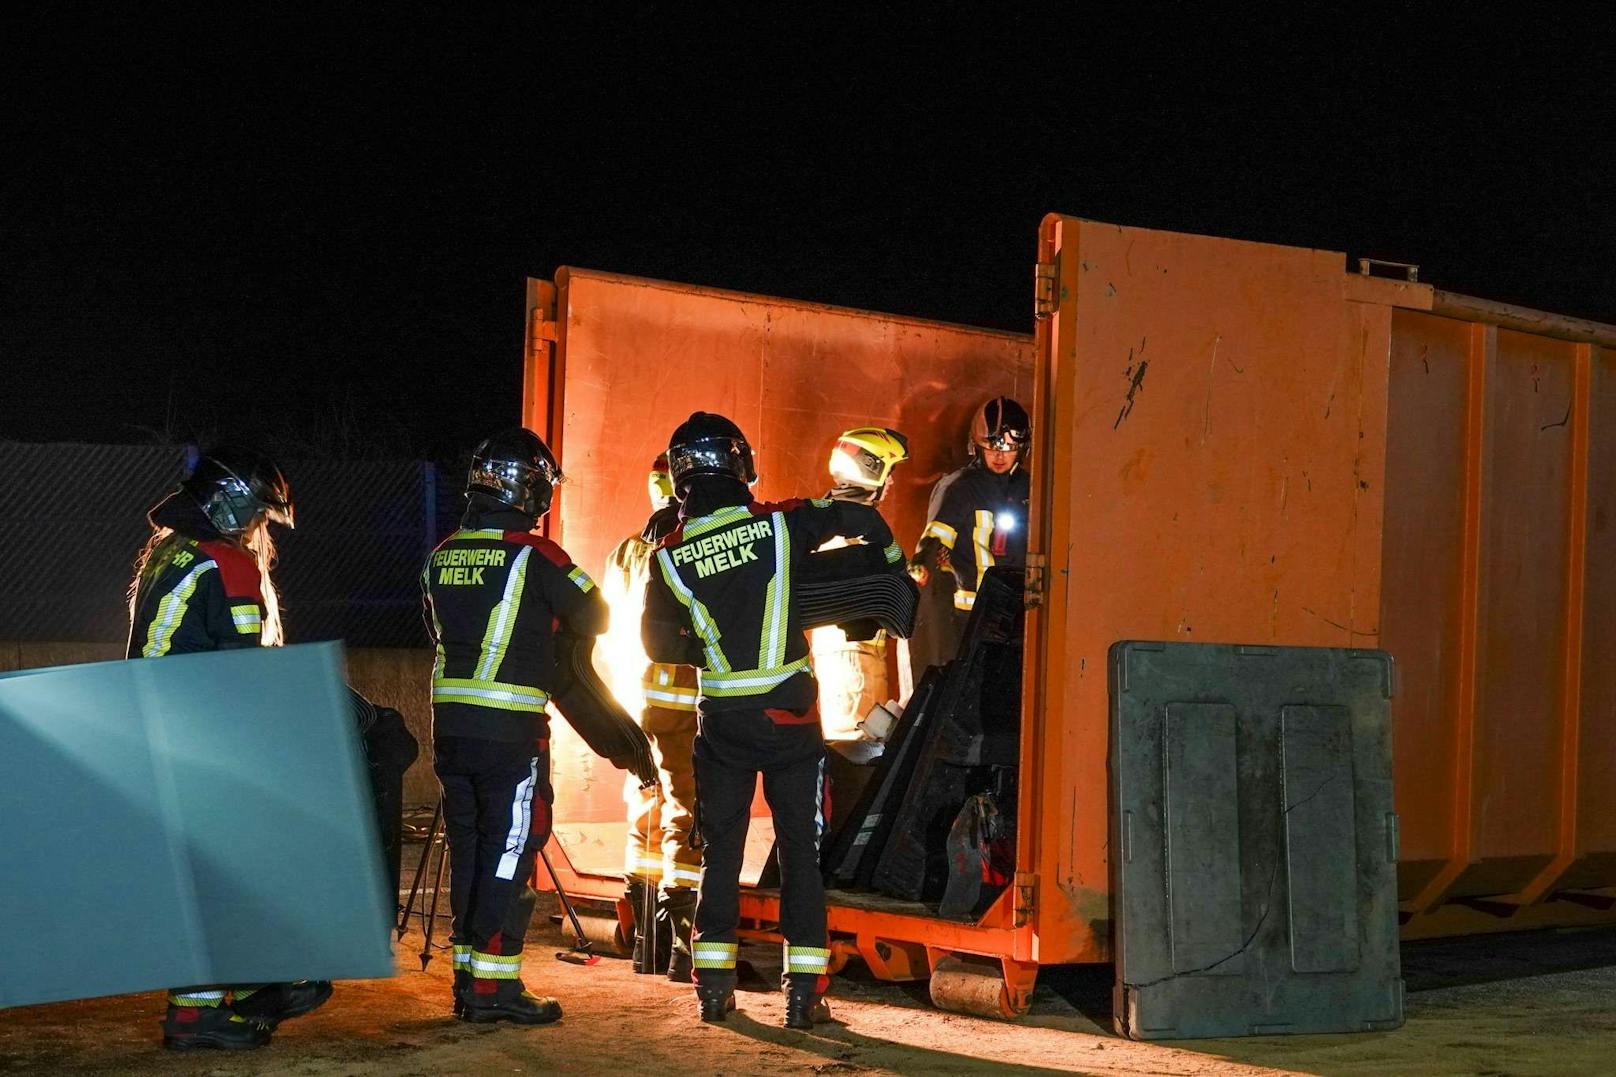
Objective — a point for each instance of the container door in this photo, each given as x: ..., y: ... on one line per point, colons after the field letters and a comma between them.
x: 1255, y: 890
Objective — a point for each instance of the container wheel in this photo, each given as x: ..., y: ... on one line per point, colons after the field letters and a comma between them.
x: 603, y: 930
x: 978, y: 986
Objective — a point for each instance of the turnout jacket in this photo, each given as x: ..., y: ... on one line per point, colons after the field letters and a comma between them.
x: 628, y: 568
x: 721, y: 598
x: 975, y: 520
x: 200, y: 593
x: 495, y: 596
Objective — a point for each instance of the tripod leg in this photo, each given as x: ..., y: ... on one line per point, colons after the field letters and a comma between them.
x: 420, y: 869
x: 432, y: 917
x: 561, y: 895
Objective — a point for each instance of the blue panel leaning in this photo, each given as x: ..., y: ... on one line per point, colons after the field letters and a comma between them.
x: 203, y: 819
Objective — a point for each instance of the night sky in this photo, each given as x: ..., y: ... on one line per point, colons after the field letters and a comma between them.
x: 265, y: 222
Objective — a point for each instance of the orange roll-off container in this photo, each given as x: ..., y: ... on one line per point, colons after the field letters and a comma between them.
x: 1234, y: 442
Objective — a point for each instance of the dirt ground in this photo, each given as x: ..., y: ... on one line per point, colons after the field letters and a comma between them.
x: 1538, y: 1004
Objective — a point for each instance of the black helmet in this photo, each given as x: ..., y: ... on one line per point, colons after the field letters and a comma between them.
x: 515, y: 467
x: 234, y: 486
x: 1000, y: 424
x: 709, y: 444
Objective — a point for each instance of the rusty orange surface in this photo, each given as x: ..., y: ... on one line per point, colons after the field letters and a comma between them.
x: 1234, y: 443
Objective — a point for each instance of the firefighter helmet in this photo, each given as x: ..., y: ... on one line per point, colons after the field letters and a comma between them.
x: 659, y: 484
x: 709, y: 444
x: 1000, y: 424
x: 865, y: 456
x: 234, y: 486
x: 516, y: 468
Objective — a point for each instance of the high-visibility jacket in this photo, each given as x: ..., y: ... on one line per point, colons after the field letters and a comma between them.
x: 204, y: 595
x: 494, y: 600
x: 655, y: 684
x: 721, y: 598
x: 976, y: 520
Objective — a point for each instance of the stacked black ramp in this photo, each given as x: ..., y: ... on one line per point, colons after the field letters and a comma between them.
x: 1253, y: 842
x: 854, y: 587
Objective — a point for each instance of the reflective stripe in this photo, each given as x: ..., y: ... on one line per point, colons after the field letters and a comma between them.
x: 502, y: 618
x: 461, y: 958
x: 675, y: 872
x: 521, y: 822
x: 480, y: 533
x: 700, y: 619
x: 713, y: 521
x: 196, y: 998
x: 677, y: 699
x: 171, y: 611
x: 964, y: 600
x: 714, y: 955
x: 495, y: 966
x: 749, y: 682
x: 941, y: 532
x: 894, y: 553
x: 979, y: 538
x: 772, y: 645
x: 505, y: 697
x: 819, y: 805
x: 807, y: 959
x: 581, y: 578
x: 648, y: 866
x: 247, y: 619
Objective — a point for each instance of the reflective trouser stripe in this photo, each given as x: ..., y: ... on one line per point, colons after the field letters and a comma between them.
x: 495, y: 966
x: 673, y: 699
x: 461, y: 958
x: 675, y: 874
x: 715, y: 955
x: 807, y: 959
x: 521, y: 822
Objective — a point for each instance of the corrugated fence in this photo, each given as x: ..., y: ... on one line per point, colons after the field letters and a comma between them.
x: 72, y: 518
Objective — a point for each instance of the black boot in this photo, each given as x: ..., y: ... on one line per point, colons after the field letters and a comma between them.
x: 804, y: 1004
x: 717, y: 998
x: 220, y: 1028
x: 647, y: 958
x: 511, y: 1002
x: 462, y: 990
x: 676, y: 913
x: 274, y: 1003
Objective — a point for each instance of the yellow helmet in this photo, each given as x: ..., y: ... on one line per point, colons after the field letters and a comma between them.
x: 866, y: 455
x: 659, y: 483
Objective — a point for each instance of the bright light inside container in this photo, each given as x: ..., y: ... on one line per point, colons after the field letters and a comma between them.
x: 1004, y: 522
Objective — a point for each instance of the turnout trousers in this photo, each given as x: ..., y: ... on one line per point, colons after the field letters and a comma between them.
x: 496, y: 811
x: 732, y: 748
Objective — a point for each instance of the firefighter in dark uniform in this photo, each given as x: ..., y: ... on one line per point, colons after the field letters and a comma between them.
x: 202, y: 584
x: 721, y: 598
x: 661, y: 861
x: 977, y: 518
x: 495, y: 595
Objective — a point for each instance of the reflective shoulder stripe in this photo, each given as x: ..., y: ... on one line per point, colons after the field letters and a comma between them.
x: 713, y: 521
x: 777, y: 602
x: 581, y: 580
x: 941, y: 532
x: 479, y: 534
x: 699, y: 617
x: 502, y: 618
x: 171, y: 611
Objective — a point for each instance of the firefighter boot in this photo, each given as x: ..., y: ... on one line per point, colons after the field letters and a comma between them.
x: 676, y: 912
x: 274, y: 1003
x: 650, y: 954
x: 717, y: 997
x: 187, y: 1028
x: 805, y: 1005
x: 512, y: 1002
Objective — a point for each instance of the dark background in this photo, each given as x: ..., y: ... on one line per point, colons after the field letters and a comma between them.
x: 311, y: 223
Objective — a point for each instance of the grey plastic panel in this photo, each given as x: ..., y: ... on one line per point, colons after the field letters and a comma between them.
x: 1255, y: 881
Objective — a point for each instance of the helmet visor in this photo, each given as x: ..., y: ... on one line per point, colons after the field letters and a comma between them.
x: 709, y: 456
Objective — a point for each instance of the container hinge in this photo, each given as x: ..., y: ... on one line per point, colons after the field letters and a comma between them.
x: 1026, y: 884
x: 1378, y: 267
x: 1045, y: 288
x: 1037, y: 578
x: 543, y: 328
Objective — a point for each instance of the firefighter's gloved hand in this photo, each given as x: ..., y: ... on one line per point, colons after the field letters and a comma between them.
x: 918, y: 572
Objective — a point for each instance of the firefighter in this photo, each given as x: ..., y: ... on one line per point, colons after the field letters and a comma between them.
x: 977, y: 518
x: 721, y: 598
x: 660, y: 860
x: 495, y: 595
x: 853, y: 673
x: 202, y: 584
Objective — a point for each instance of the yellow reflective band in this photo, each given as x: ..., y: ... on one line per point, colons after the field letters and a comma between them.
x: 509, y: 697
x: 964, y: 600
x: 461, y: 957
x: 894, y: 553
x: 680, y: 874
x: 714, y: 955
x: 581, y: 578
x: 496, y: 966
x: 777, y: 604
x: 700, y: 619
x: 482, y: 534
x: 197, y: 998
x: 749, y: 682
x: 807, y: 959
x: 247, y: 619
x: 941, y: 532
x: 171, y: 611
x: 676, y: 699
x: 713, y: 521
x: 979, y: 538
x: 502, y: 618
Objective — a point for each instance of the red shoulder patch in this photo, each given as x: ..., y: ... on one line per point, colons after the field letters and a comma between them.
x: 765, y: 508
x: 552, y: 553
x: 238, y: 569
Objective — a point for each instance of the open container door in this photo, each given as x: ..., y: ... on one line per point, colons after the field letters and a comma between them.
x: 615, y: 363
